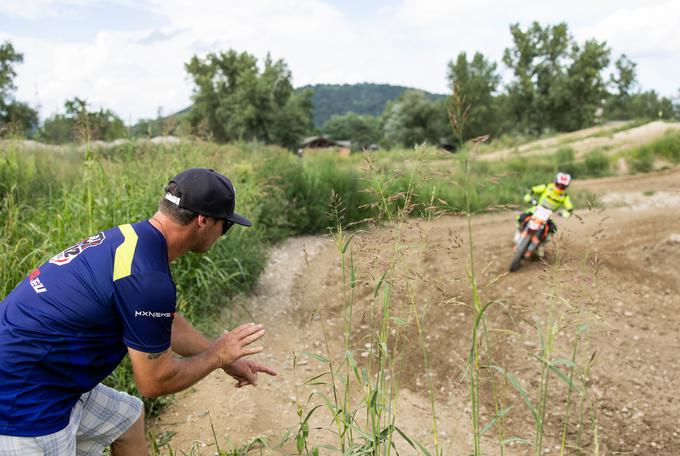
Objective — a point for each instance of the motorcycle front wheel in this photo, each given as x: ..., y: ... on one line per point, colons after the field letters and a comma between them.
x: 519, y: 253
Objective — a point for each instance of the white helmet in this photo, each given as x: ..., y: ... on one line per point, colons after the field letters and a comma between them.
x: 562, y: 181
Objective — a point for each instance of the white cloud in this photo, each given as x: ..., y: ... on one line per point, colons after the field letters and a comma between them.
x: 644, y: 30
x: 647, y: 34
x: 30, y: 9
x: 134, y: 73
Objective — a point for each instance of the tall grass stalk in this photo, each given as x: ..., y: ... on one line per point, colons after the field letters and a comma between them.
x: 474, y: 366
x: 567, y: 412
x: 379, y: 393
x: 430, y: 388
x: 547, y: 339
x: 348, y: 298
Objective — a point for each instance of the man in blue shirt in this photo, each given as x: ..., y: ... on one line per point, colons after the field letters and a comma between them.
x: 67, y: 326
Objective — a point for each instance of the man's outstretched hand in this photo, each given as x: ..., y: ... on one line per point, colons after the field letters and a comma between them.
x: 245, y: 372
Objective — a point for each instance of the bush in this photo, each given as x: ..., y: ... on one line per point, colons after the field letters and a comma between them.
x: 298, y: 194
x: 642, y: 160
x: 596, y: 164
x: 667, y: 146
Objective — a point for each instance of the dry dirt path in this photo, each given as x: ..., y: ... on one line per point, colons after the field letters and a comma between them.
x: 620, y: 277
x: 250, y: 412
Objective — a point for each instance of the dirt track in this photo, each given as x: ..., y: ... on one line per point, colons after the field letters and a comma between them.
x: 603, y: 137
x: 618, y: 275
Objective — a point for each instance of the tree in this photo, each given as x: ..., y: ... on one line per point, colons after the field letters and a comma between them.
x: 624, y: 83
x: 81, y: 124
x: 19, y: 120
x: 649, y: 105
x: 293, y: 120
x: 15, y: 117
x: 537, y: 63
x: 8, y: 57
x: 412, y: 119
x: 362, y: 130
x: 234, y: 101
x: 558, y: 83
x: 57, y: 129
x: 477, y: 81
x: 585, y: 87
x: 626, y: 101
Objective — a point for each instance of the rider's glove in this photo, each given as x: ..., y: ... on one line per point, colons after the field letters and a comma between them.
x: 565, y: 213
x: 527, y: 198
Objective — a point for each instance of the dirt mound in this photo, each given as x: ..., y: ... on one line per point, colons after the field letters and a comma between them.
x: 664, y: 253
x: 617, y: 284
x: 604, y: 138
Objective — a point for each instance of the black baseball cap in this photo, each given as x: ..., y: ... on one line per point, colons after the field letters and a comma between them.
x: 206, y: 192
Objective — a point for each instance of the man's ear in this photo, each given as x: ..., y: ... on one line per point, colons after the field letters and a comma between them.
x: 201, y: 221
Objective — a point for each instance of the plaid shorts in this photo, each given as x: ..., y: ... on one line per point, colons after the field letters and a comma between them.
x: 98, y: 418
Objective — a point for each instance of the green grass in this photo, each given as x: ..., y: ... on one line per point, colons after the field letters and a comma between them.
x: 50, y: 201
x: 667, y: 148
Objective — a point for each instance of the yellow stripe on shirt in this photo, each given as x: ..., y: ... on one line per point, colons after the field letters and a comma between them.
x: 122, y: 263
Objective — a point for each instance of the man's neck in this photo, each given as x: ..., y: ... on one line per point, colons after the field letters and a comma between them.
x: 176, y: 236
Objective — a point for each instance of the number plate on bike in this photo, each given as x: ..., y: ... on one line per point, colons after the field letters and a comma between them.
x: 542, y: 214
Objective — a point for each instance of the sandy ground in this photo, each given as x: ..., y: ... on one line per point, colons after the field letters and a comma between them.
x: 616, y: 281
x: 36, y: 145
x: 584, y: 141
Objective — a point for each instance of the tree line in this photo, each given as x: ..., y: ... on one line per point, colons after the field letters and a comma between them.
x: 555, y: 84
x: 361, y: 98
x: 77, y: 123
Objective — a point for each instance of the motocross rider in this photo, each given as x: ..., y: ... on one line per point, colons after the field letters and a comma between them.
x: 552, y: 196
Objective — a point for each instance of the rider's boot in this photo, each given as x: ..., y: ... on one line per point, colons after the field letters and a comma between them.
x: 540, y: 250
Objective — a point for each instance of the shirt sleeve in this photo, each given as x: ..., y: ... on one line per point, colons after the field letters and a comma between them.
x: 146, y: 304
x: 538, y: 189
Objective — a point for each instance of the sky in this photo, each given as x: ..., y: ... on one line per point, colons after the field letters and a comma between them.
x: 129, y: 56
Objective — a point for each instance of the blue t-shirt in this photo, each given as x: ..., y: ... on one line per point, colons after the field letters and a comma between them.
x: 67, y: 325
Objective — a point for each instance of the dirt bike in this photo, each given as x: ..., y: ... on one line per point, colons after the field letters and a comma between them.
x: 529, y: 239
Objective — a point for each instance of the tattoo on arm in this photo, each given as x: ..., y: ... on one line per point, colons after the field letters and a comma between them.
x: 156, y: 355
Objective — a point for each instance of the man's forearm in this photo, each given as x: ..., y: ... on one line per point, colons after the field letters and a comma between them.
x: 162, y: 373
x: 157, y: 374
x: 187, y: 340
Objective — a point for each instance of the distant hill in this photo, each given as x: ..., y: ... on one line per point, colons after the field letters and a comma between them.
x: 328, y: 100
x: 365, y: 98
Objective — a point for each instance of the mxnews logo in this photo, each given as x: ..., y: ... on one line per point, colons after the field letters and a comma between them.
x: 148, y: 313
